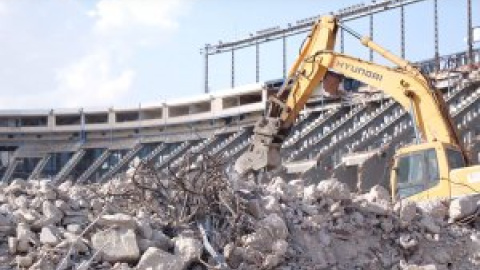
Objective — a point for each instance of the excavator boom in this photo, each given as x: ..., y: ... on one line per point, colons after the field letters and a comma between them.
x: 404, y: 83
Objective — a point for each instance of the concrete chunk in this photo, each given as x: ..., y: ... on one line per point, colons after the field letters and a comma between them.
x: 25, y: 261
x: 118, y: 220
x: 408, y: 211
x: 157, y: 259
x: 189, y: 249
x: 48, y: 237
x: 430, y: 224
x: 437, y: 209
x: 334, y: 189
x: 462, y: 207
x: 117, y: 245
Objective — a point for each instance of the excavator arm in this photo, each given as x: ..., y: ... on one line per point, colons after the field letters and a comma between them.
x: 405, y: 84
x: 412, y: 91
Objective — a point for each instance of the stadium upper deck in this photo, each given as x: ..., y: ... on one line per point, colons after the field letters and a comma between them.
x: 97, y: 143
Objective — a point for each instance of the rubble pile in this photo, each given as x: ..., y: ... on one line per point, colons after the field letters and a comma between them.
x: 205, y: 220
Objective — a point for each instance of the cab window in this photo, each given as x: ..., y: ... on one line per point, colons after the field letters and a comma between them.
x: 416, y: 172
x: 455, y: 159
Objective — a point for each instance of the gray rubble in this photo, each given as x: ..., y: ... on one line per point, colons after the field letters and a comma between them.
x: 280, y: 225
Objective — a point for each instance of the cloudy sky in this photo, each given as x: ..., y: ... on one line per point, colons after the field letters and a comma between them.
x: 101, y: 53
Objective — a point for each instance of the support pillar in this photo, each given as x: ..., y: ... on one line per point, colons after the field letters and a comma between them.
x: 83, y: 133
x: 402, y: 31
x: 257, y: 62
x: 284, y: 43
x: 342, y: 40
x: 371, y: 36
x: 205, y: 52
x: 470, y: 33
x: 232, y: 83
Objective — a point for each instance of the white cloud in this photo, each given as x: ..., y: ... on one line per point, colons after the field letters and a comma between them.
x: 104, y: 75
x: 94, y: 81
x: 117, y: 15
x: 73, y: 57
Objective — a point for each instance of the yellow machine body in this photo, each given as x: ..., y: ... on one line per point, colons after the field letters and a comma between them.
x: 432, y: 171
x: 435, y: 167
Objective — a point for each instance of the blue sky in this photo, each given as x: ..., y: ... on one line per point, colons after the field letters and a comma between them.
x: 102, y: 53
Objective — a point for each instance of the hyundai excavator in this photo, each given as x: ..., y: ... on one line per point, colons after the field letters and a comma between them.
x: 434, y: 167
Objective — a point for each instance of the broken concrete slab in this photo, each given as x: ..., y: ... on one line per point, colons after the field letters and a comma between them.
x: 462, y: 207
x: 334, y: 189
x: 283, y: 226
x: 117, y: 220
x: 116, y: 245
x: 157, y: 259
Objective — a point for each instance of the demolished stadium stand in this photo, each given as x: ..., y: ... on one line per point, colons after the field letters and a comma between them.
x: 333, y: 137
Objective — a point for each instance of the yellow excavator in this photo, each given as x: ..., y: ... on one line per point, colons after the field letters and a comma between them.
x: 435, y: 166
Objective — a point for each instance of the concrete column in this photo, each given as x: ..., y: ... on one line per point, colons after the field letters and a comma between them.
x: 217, y: 104
x: 111, y: 116
x: 264, y: 96
x: 165, y: 111
x: 51, y: 119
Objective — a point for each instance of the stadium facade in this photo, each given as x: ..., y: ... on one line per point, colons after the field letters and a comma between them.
x: 349, y: 136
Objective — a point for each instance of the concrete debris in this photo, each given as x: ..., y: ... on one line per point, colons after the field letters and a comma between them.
x: 430, y: 224
x: 116, y: 245
x: 129, y: 223
x: 407, y: 211
x: 48, y: 237
x: 117, y: 220
x: 437, y: 209
x: 24, y: 261
x: 462, y: 207
x: 188, y: 249
x: 378, y: 193
x: 157, y: 259
x: 333, y: 189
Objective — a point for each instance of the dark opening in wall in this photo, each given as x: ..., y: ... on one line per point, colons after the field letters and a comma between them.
x: 149, y: 114
x: 33, y: 121
x: 24, y: 121
x: 230, y: 102
x: 9, y: 122
x: 126, y: 116
x: 200, y: 107
x: 98, y: 118
x: 250, y: 99
x: 235, y: 101
x: 183, y: 110
x: 228, y: 120
x: 67, y: 120
x: 178, y: 111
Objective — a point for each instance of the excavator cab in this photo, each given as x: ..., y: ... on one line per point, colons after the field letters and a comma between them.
x: 422, y: 172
